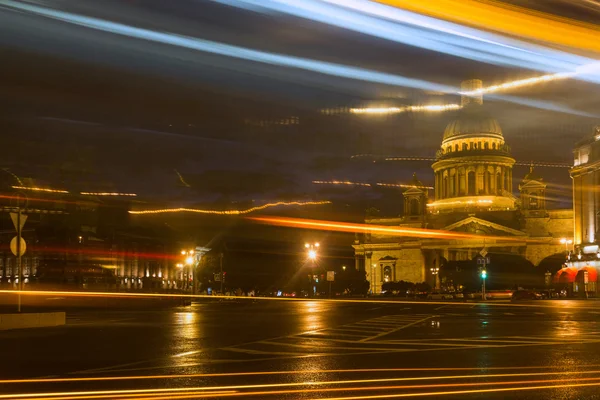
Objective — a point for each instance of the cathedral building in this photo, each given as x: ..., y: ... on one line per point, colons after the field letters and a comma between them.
x: 473, y: 193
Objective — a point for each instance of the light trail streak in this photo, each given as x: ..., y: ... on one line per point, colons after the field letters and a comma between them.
x: 288, y: 384
x: 108, y: 194
x: 556, y: 61
x: 396, y: 110
x: 349, y: 183
x: 309, y: 371
x: 425, y: 32
x: 512, y: 20
x: 38, y: 189
x: 455, y: 392
x: 232, y: 212
x: 194, y: 391
x: 400, y: 185
x: 249, y: 298
x: 528, y: 164
x: 223, y: 49
x: 379, y: 229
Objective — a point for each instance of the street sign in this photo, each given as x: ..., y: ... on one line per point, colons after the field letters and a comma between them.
x: 15, y: 220
x: 483, y: 252
x: 217, y: 277
x: 13, y: 246
x: 330, y: 276
x: 483, y: 260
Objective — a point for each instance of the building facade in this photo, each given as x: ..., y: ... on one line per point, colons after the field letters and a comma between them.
x: 581, y: 269
x: 473, y: 195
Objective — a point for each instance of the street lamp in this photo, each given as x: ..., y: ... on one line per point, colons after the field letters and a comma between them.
x: 566, y: 242
x: 312, y: 250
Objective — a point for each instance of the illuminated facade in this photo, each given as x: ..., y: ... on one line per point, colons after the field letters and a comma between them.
x: 582, y: 266
x: 472, y: 194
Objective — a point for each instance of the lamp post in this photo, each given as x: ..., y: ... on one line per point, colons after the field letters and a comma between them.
x: 312, y: 255
x: 188, y: 261
x: 434, y: 272
x: 373, y: 278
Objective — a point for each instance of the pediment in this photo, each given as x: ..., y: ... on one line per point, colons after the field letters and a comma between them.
x: 480, y: 226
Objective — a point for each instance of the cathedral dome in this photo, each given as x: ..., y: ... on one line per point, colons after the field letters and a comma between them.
x: 473, y: 121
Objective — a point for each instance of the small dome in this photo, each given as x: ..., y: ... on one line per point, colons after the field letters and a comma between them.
x: 472, y: 121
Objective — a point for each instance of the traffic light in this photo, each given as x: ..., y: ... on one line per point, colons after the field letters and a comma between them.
x: 483, y: 274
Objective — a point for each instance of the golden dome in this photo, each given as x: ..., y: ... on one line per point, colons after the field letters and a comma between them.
x: 473, y: 121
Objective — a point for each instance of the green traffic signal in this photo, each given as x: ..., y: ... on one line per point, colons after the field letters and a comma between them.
x: 483, y: 274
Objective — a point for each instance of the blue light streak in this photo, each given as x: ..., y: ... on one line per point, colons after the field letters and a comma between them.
x: 232, y: 51
x: 227, y: 50
x: 412, y: 29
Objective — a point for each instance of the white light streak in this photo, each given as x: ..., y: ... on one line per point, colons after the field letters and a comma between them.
x: 108, y: 194
x: 396, y: 110
x: 349, y: 183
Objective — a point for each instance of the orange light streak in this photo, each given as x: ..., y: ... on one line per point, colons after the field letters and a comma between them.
x: 232, y: 212
x: 37, y: 189
x: 177, y: 392
x: 517, y: 21
x: 454, y: 392
x: 363, y: 388
x: 377, y: 229
x: 249, y: 298
x: 311, y: 371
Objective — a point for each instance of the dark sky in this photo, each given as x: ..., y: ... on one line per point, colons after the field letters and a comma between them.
x: 93, y: 110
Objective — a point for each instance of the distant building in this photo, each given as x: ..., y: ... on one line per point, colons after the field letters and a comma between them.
x: 472, y: 194
x: 582, y: 267
x: 85, y: 241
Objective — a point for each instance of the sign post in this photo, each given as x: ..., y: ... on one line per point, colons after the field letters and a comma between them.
x: 19, y: 246
x: 330, y: 278
x: 483, y: 260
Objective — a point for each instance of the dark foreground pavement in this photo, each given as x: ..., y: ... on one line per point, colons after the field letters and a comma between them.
x: 312, y: 349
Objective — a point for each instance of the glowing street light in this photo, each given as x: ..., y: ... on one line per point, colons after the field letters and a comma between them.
x: 312, y: 250
x: 566, y: 242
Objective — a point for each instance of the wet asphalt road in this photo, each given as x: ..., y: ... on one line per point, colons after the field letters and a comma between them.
x: 315, y: 349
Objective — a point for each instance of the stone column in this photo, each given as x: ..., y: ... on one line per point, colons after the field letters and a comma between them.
x: 456, y: 183
x: 502, y: 171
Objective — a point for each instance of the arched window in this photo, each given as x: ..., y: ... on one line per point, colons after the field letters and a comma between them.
x: 498, y: 183
x: 486, y: 145
x: 456, y: 147
x: 445, y: 188
x: 493, y: 146
x: 387, y: 274
x: 464, y: 146
x: 534, y: 200
x: 414, y: 207
x: 472, y: 183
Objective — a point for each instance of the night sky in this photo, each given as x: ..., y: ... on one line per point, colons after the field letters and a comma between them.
x: 91, y: 110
